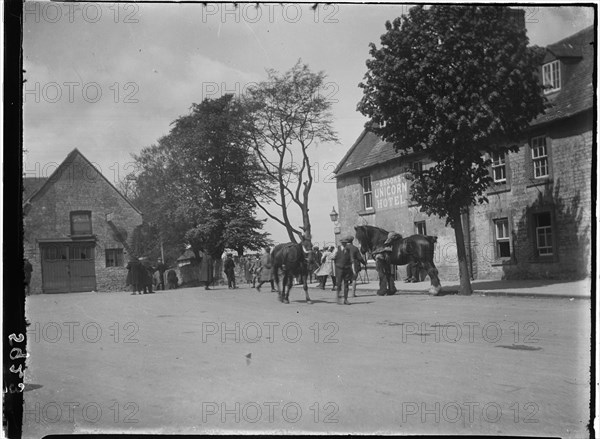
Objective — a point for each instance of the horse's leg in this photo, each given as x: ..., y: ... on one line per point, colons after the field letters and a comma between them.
x: 288, y: 281
x: 276, y: 278
x: 354, y: 279
x: 436, y: 286
x: 305, y: 286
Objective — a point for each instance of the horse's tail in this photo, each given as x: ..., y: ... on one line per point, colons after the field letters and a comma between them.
x: 432, y: 241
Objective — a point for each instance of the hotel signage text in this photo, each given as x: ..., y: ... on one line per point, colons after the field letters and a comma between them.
x: 390, y: 193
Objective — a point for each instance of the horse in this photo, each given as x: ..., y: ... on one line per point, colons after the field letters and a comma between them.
x: 293, y: 260
x: 415, y: 248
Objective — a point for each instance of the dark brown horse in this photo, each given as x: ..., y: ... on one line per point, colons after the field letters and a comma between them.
x: 415, y: 248
x: 293, y: 260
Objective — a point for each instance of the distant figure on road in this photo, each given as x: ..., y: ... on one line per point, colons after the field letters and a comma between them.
x: 266, y: 270
x: 357, y: 261
x: 326, y: 268
x: 135, y: 276
x: 148, y: 271
x: 229, y: 267
x: 172, y: 280
x: 28, y: 268
x: 344, y: 271
x: 161, y: 267
x: 206, y: 270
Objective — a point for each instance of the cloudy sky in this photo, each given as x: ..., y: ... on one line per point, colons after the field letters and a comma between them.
x: 108, y: 79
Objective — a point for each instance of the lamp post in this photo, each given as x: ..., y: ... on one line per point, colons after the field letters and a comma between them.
x: 334, y: 219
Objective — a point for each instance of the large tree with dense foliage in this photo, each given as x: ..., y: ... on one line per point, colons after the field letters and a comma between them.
x: 290, y: 113
x: 198, y: 185
x: 453, y: 82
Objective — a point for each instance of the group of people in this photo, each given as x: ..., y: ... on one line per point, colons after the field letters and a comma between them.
x: 141, y: 275
x: 258, y: 270
x: 342, y: 263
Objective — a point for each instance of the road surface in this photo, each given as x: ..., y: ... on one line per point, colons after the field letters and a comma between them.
x: 196, y: 361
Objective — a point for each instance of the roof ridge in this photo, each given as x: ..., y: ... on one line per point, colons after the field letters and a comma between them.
x: 68, y: 159
x: 572, y: 36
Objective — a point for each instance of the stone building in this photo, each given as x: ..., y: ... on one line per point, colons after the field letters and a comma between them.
x: 537, y: 223
x: 76, y: 225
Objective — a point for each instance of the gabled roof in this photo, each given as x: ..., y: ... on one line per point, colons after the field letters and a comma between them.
x: 575, y: 96
x: 47, y: 182
x: 577, y: 93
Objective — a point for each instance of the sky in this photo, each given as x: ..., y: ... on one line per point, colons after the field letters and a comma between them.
x: 109, y: 78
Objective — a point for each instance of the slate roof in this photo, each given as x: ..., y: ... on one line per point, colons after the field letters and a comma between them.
x: 575, y: 96
x: 368, y: 150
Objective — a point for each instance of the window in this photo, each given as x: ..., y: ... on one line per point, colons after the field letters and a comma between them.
x: 543, y: 233
x: 420, y: 228
x: 367, y: 192
x: 551, y: 73
x: 114, y: 257
x: 81, y: 223
x: 539, y: 156
x: 416, y: 166
x: 82, y: 253
x: 502, y: 238
x: 499, y: 167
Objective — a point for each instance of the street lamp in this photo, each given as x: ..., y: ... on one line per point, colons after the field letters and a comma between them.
x: 334, y: 219
x: 333, y: 215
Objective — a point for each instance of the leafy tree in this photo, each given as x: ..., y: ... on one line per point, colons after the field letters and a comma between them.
x: 452, y: 82
x: 196, y: 185
x: 290, y: 114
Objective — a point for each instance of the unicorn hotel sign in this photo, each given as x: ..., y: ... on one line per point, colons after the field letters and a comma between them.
x: 390, y: 193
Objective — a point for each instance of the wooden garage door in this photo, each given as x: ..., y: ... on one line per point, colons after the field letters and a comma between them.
x: 68, y: 267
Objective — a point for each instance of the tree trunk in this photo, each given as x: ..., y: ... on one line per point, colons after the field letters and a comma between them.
x: 463, y: 265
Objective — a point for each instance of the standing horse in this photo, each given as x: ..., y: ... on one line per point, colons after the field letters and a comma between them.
x: 415, y: 248
x: 293, y: 260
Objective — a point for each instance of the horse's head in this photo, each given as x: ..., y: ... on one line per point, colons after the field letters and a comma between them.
x: 307, y: 251
x: 362, y: 237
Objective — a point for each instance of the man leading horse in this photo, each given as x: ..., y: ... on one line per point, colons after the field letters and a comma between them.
x: 392, y: 249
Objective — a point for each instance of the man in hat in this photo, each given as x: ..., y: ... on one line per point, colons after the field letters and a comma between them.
x: 343, y: 268
x: 357, y: 260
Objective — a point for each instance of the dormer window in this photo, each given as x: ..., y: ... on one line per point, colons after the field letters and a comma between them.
x: 551, y: 74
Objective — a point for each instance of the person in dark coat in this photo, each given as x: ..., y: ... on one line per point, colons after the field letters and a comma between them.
x: 161, y: 267
x: 357, y: 261
x: 343, y: 268
x: 229, y: 267
x: 172, y: 279
x: 28, y: 269
x: 135, y: 276
x: 148, y: 271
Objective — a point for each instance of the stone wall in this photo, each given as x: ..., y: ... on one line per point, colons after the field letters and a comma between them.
x: 79, y: 186
x: 566, y: 194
